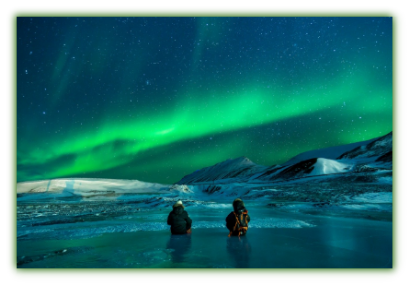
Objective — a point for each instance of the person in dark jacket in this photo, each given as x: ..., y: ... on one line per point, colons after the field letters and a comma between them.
x: 179, y: 220
x: 239, y: 214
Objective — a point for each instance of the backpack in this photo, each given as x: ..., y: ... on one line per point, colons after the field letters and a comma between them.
x: 241, y: 225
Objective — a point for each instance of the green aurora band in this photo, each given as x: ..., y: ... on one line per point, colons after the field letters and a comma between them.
x: 96, y: 149
x: 303, y: 84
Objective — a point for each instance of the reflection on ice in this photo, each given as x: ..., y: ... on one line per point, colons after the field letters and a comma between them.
x: 179, y: 245
x: 239, y: 249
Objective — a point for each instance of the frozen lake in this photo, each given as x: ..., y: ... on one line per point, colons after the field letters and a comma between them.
x: 276, y: 239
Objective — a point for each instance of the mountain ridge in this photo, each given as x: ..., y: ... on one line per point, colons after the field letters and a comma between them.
x: 332, y: 160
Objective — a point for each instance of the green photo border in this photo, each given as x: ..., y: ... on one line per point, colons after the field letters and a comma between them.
x: 12, y: 10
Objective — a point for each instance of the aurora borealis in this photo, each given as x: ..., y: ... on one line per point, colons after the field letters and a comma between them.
x: 155, y: 99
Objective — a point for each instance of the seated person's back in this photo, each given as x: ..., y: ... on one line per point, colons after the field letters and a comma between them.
x: 179, y: 220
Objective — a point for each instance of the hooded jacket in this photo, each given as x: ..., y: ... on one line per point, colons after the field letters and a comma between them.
x: 179, y: 220
x: 238, y: 206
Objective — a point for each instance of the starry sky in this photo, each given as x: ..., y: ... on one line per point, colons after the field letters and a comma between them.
x: 155, y: 99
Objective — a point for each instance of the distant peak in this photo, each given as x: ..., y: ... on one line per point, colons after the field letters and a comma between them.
x: 241, y: 159
x: 244, y: 158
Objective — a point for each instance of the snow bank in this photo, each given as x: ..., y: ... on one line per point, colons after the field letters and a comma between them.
x: 280, y: 223
x: 89, y: 186
x: 385, y: 180
x: 217, y: 206
x: 368, y: 207
x: 380, y: 197
x: 329, y: 166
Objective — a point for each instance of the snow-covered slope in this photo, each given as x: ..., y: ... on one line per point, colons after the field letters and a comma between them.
x: 329, y: 152
x: 88, y: 187
x: 231, y: 168
x: 309, y: 167
x: 374, y: 149
x: 329, y: 166
x: 387, y: 157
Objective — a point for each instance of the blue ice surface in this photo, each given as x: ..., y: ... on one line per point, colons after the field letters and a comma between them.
x: 275, y: 239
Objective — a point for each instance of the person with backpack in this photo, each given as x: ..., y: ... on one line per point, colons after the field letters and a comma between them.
x: 179, y: 220
x: 237, y: 221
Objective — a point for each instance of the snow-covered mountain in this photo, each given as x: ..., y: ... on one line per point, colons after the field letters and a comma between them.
x: 329, y: 152
x: 374, y: 149
x: 365, y: 156
x: 309, y: 167
x: 231, y: 168
x: 89, y: 188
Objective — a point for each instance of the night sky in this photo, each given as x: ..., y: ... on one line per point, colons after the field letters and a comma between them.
x: 155, y: 99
